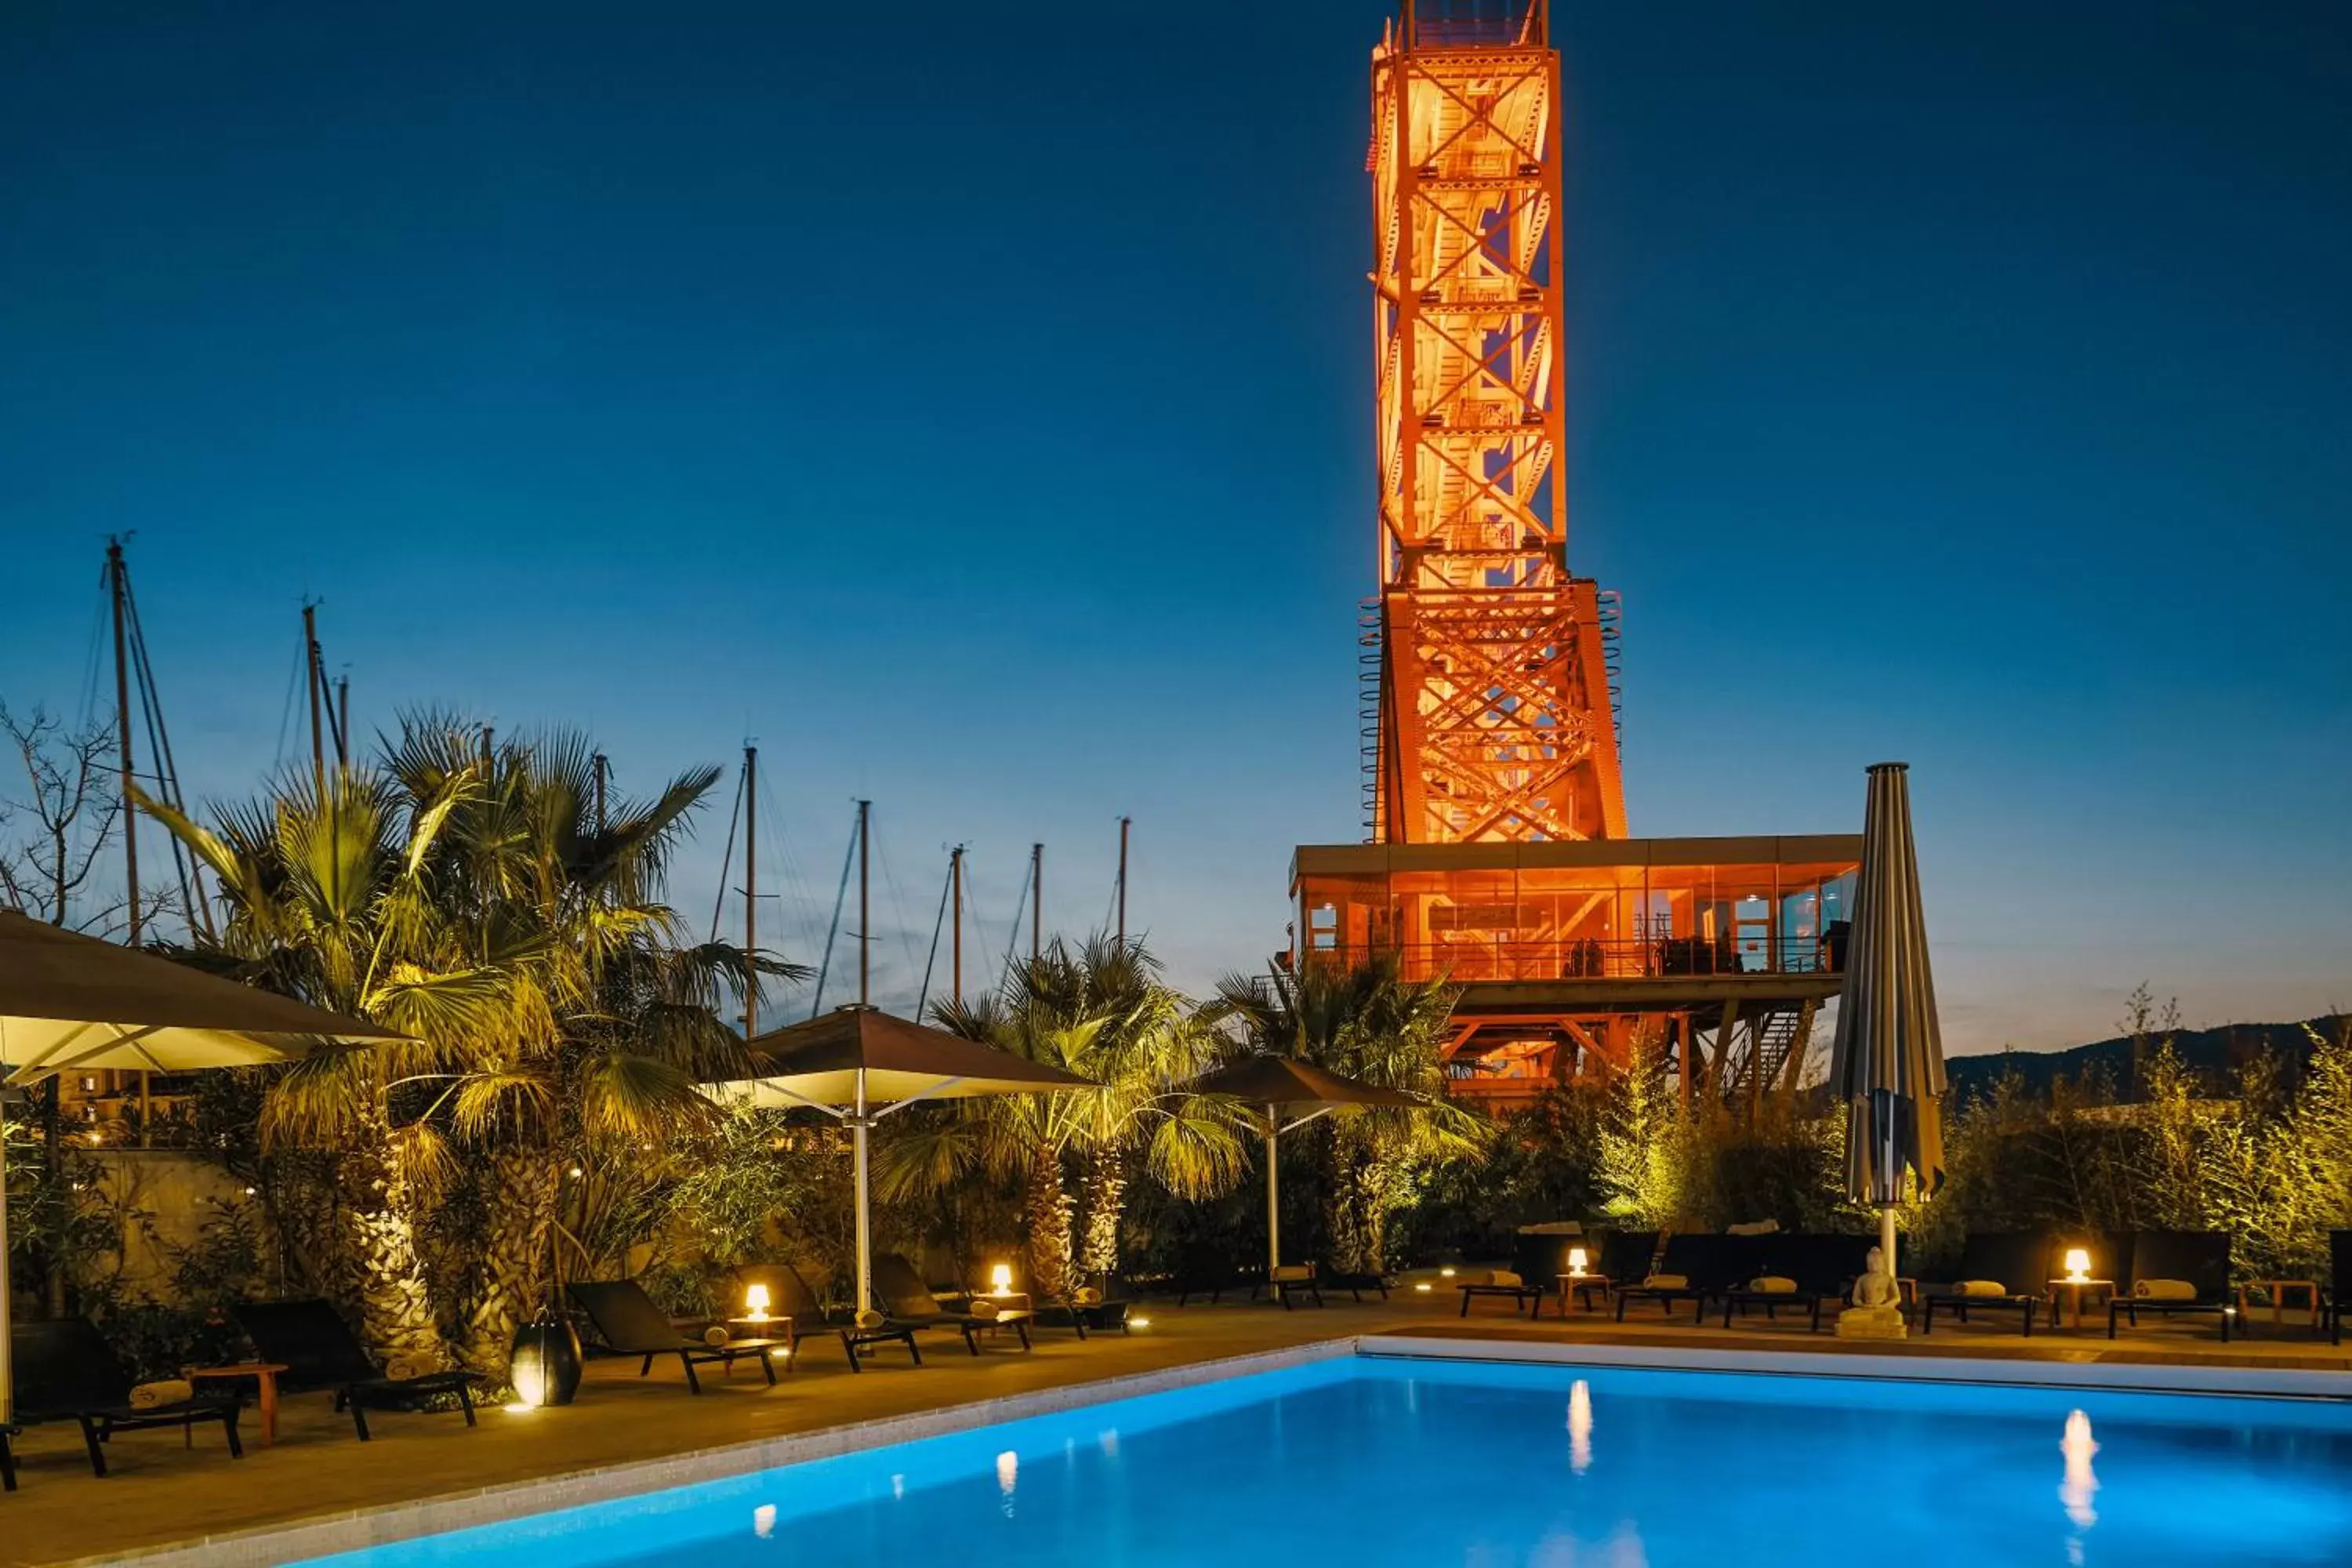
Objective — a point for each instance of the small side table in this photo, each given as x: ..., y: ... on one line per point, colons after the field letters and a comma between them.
x: 775, y: 1326
x: 2073, y: 1289
x: 265, y: 1378
x: 1581, y: 1286
x: 2276, y: 1292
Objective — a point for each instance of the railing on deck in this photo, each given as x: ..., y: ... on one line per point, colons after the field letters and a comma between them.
x: 1471, y: 959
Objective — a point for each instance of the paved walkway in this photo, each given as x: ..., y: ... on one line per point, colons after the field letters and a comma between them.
x: 161, y: 1493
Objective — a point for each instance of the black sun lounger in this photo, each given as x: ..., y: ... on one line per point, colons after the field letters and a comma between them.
x: 66, y: 1372
x: 908, y: 1304
x: 2199, y: 1258
x: 630, y: 1324
x: 319, y: 1352
x: 2016, y: 1260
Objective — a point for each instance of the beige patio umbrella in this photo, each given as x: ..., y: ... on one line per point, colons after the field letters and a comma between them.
x: 69, y: 1002
x: 1887, y: 1064
x: 859, y: 1064
x: 1279, y: 1083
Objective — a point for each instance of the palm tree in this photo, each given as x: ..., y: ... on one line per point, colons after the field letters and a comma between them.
x: 567, y: 1019
x: 1098, y: 1011
x: 1369, y: 1024
x: 1152, y: 1045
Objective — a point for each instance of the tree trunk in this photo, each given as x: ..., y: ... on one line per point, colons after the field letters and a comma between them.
x: 511, y: 1268
x: 395, y: 1305
x: 1046, y: 1209
x: 1106, y: 1204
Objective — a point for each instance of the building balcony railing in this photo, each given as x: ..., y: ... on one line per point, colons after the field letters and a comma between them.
x: 1652, y: 958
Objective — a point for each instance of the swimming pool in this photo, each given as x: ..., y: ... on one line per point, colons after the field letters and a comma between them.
x: 1372, y: 1460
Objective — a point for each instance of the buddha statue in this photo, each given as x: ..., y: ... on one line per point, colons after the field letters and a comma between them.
x: 1877, y: 1310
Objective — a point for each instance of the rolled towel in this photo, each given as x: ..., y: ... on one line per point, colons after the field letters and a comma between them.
x: 867, y: 1318
x: 981, y: 1306
x: 1089, y: 1296
x: 401, y: 1368
x: 1667, y: 1282
x: 1773, y: 1285
x: 1295, y: 1271
x: 1504, y: 1278
x: 716, y: 1335
x: 2164, y: 1290
x: 1754, y: 1228
x: 163, y: 1391
x: 1979, y: 1287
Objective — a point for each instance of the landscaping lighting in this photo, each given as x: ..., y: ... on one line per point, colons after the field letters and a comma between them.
x: 1139, y: 1322
x: 1447, y: 1272
x: 1422, y: 1286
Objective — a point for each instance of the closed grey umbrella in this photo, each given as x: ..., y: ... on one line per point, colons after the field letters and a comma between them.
x: 1887, y: 1065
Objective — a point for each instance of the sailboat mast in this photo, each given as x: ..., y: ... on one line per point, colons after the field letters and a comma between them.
x: 1123, y: 822
x: 318, y: 732
x: 116, y: 590
x: 955, y: 888
x: 1036, y: 901
x: 751, y: 887
x: 864, y: 924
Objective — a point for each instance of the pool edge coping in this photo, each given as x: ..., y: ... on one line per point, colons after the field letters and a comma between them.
x: 296, y: 1540
x: 2117, y: 1377
x: 356, y: 1529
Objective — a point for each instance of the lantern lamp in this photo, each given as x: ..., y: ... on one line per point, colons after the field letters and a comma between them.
x: 1001, y: 1278
x: 1576, y: 1260
x: 2078, y: 1264
x: 755, y: 1301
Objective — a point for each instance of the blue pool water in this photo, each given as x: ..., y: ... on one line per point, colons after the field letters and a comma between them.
x: 1375, y: 1460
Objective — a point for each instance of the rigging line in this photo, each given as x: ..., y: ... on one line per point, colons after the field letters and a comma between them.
x: 841, y: 894
x: 727, y: 856
x: 286, y: 709
x: 796, y: 897
x: 1013, y: 941
x: 939, y: 924
x: 158, y: 757
x: 898, y: 903
x: 96, y: 657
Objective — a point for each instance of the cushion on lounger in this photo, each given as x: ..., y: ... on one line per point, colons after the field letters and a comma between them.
x: 1979, y: 1287
x: 1504, y: 1278
x: 401, y: 1368
x: 867, y: 1318
x: 1667, y: 1282
x: 981, y: 1306
x: 714, y: 1336
x: 2165, y: 1290
x: 170, y: 1391
x: 1295, y: 1271
x: 1773, y: 1285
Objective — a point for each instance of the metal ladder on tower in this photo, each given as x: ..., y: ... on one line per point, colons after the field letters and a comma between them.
x: 1783, y: 1033
x: 1368, y: 710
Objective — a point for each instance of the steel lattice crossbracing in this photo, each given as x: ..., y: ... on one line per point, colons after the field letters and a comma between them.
x: 1493, y: 716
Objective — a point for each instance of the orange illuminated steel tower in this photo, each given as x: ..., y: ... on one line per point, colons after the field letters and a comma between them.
x: 1493, y: 714
x: 1498, y: 859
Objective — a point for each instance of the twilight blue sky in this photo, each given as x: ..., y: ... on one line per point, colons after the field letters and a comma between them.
x: 970, y: 402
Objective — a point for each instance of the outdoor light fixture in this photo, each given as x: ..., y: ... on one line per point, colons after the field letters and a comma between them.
x: 1576, y: 1260
x: 1139, y: 1322
x: 755, y: 1302
x: 543, y: 1363
x: 2078, y: 1264
x: 1001, y: 1278
x: 1447, y: 1272
x: 1423, y: 1286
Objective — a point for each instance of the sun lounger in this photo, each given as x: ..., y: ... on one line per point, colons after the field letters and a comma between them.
x: 629, y: 1323
x: 7, y: 1460
x: 789, y: 1296
x: 1535, y: 1270
x: 2016, y: 1260
x: 66, y: 1372
x: 907, y: 1303
x: 1290, y: 1281
x: 319, y: 1352
x: 1820, y: 1267
x: 2199, y: 1259
x: 1696, y: 1267
x: 1329, y: 1278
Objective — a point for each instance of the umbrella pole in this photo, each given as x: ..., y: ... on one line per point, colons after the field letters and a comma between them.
x: 1886, y: 1241
x: 1273, y: 1195
x: 857, y: 1129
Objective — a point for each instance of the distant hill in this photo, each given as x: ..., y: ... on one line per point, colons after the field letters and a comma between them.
x: 2215, y: 1055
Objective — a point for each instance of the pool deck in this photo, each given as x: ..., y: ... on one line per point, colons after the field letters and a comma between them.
x: 627, y: 1435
